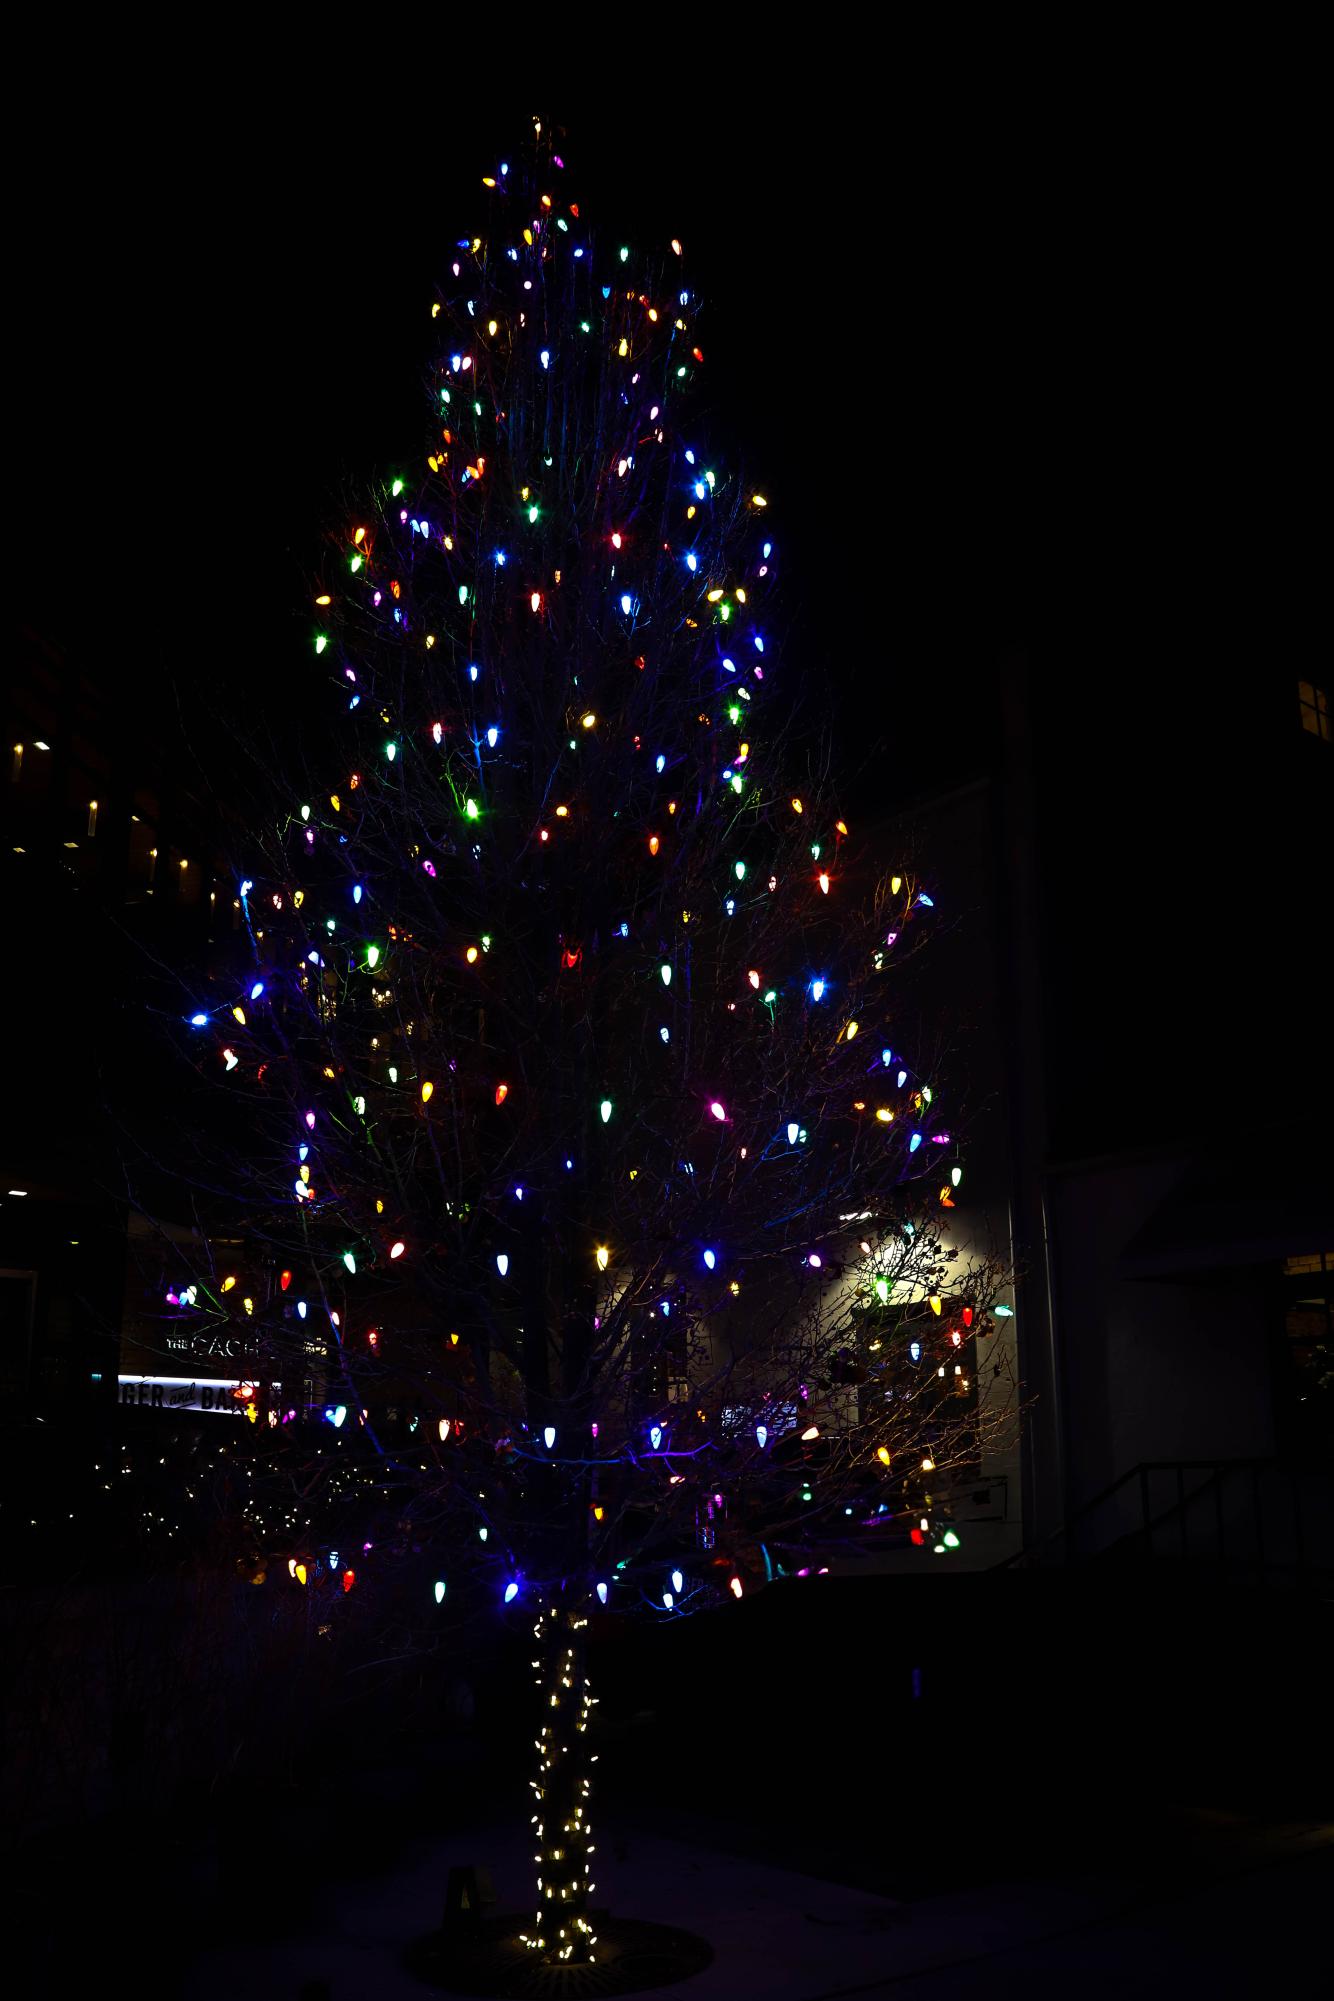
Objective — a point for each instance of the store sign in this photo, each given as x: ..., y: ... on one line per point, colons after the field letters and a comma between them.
x: 211, y: 1345
x: 181, y: 1393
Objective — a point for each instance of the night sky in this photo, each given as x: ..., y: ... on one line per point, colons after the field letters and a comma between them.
x: 1003, y: 381
x: 226, y: 322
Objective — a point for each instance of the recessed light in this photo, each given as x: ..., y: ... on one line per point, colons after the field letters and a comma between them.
x: 16, y: 1191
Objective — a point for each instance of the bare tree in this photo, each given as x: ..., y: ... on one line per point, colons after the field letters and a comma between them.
x: 586, y: 1182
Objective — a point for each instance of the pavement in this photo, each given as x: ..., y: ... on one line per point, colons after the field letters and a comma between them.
x: 1243, y: 1912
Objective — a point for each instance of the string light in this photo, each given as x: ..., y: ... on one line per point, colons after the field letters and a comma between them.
x: 554, y: 836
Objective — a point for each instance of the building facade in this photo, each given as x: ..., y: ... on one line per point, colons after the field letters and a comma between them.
x: 1135, y: 878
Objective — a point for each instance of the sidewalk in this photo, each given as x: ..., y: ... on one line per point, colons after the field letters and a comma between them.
x: 1256, y: 1919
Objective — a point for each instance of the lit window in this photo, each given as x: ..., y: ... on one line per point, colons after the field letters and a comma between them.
x: 1307, y: 1382
x: 1313, y: 704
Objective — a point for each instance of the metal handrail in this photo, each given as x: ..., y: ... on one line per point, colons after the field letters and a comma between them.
x: 1217, y: 1470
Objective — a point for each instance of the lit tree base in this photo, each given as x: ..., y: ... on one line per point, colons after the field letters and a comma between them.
x: 490, y: 1959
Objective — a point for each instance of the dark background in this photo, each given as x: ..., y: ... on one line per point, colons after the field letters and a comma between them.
x: 224, y: 323
x: 1014, y: 368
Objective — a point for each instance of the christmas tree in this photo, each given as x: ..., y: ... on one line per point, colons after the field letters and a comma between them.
x: 588, y: 1187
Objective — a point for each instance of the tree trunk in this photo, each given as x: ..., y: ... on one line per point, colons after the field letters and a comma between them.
x: 564, y: 1933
